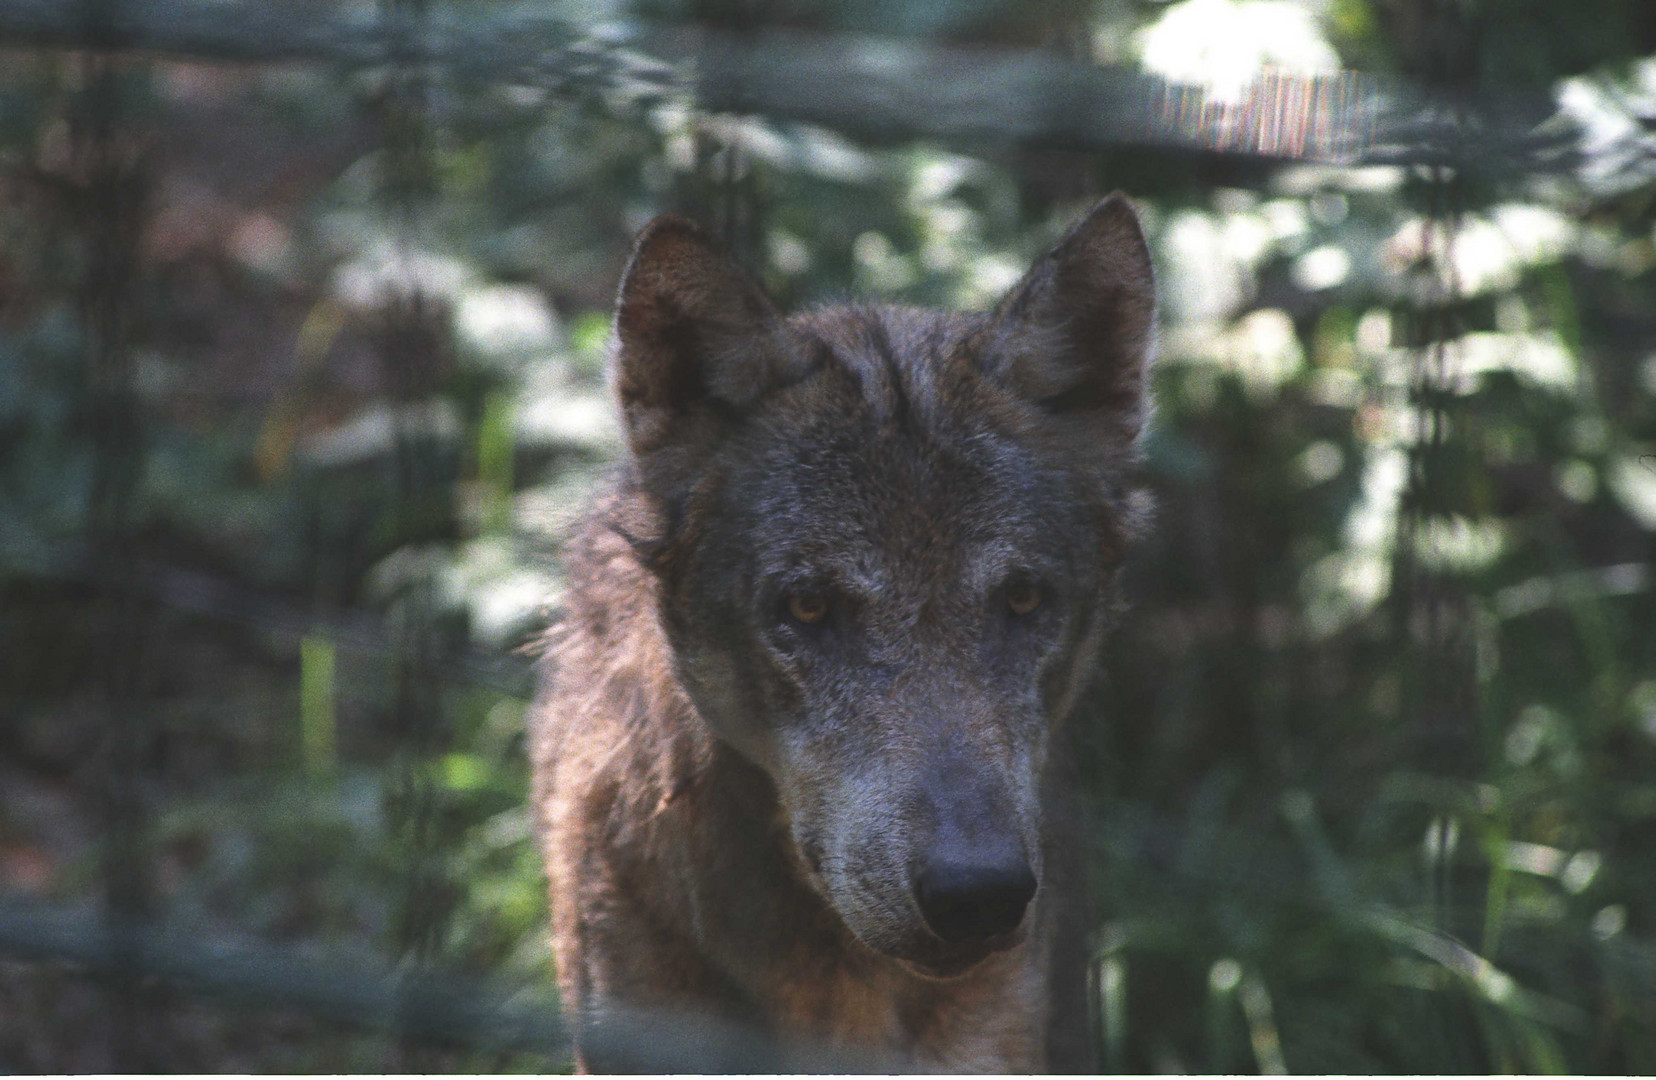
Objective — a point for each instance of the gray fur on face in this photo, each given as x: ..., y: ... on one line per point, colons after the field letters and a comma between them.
x: 866, y: 484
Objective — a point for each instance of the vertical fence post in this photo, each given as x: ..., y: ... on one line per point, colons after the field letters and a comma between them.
x: 416, y: 348
x: 1433, y: 609
x: 110, y: 185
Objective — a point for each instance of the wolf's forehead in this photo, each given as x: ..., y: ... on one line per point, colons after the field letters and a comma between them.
x: 867, y: 499
x: 903, y: 360
x: 892, y: 455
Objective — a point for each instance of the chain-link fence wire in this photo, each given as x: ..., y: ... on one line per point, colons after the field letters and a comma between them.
x: 893, y: 90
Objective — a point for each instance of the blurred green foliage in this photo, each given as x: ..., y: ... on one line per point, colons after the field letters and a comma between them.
x: 1373, y: 774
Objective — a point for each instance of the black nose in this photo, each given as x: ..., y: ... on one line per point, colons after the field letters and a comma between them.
x: 967, y: 903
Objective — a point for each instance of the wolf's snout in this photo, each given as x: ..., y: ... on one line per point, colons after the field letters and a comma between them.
x: 967, y: 903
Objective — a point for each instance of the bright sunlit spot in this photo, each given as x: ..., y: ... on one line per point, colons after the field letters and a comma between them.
x: 1253, y: 75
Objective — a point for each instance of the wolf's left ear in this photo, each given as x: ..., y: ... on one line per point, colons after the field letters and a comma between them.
x: 1074, y: 335
x: 699, y: 342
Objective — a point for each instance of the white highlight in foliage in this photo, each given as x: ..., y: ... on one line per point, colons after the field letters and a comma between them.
x: 1615, y: 144
x: 1247, y: 236
x: 948, y: 235
x: 1539, y: 359
x: 1225, y: 44
x: 802, y: 148
x: 1609, y: 921
x: 584, y: 419
x: 1285, y: 218
x: 1321, y: 461
x: 1374, y: 332
x: 1485, y: 254
x: 788, y: 253
x: 510, y: 605
x: 1580, y: 871
x: 384, y: 274
x: 1633, y: 482
x: 1373, y: 521
x: 1525, y: 737
x: 1537, y: 859
x: 1208, y: 269
x: 502, y: 597
x: 1536, y: 234
x: 880, y: 268
x: 1261, y: 348
x: 1459, y: 543
x: 505, y: 321
x: 938, y: 176
x: 1347, y: 584
x: 1305, y: 180
x: 990, y: 277
x: 1264, y: 348
x: 1322, y: 268
x: 1441, y: 839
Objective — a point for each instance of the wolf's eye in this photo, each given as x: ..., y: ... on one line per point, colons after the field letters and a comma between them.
x: 1022, y: 597
x: 808, y: 608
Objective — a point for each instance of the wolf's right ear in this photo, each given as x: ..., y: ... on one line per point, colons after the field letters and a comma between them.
x: 698, y: 339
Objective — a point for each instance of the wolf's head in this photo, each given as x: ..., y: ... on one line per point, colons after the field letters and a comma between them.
x: 887, y: 549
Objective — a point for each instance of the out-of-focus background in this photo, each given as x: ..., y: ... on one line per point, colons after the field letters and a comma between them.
x: 304, y: 311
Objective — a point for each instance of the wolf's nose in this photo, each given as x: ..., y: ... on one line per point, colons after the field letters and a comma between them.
x: 973, y: 903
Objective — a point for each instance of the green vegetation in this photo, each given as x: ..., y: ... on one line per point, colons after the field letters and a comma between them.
x: 1374, y: 768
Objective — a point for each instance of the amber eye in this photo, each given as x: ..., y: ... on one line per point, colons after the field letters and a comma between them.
x: 810, y: 609
x: 1022, y: 597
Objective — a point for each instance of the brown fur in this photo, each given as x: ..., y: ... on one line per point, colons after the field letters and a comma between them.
x: 740, y: 811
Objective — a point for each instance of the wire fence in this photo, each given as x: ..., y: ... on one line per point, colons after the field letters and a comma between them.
x: 868, y: 87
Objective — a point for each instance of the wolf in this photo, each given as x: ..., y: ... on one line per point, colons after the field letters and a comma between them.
x: 800, y: 749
